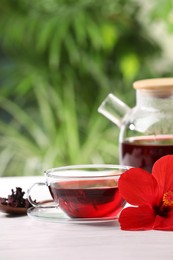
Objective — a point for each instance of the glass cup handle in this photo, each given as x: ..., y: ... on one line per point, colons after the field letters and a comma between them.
x: 39, y: 204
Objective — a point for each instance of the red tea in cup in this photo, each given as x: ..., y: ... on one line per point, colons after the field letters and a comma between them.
x: 88, y: 199
x: 83, y: 191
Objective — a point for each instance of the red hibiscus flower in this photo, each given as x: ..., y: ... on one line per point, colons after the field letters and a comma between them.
x: 151, y: 196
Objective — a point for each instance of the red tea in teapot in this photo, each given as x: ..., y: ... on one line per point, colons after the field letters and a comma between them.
x: 146, y: 130
x: 143, y: 152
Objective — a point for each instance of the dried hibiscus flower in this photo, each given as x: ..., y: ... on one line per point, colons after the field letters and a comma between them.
x: 16, y: 199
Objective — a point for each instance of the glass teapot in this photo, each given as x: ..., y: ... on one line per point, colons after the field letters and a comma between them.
x: 146, y: 131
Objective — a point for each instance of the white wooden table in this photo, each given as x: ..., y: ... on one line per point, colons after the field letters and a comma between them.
x: 26, y: 238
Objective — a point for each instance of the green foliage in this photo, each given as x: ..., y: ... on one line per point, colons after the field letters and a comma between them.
x: 162, y: 11
x: 59, y: 59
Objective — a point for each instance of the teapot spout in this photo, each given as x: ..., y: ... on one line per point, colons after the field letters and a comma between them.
x: 114, y: 109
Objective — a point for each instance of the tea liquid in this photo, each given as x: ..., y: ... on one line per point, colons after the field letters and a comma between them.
x: 90, y: 202
x: 143, y: 152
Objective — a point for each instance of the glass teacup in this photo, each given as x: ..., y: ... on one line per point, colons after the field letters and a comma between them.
x: 84, y: 191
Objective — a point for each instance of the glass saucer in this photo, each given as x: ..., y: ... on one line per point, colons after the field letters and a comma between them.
x: 53, y: 214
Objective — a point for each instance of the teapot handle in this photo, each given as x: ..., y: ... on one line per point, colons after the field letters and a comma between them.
x: 114, y: 109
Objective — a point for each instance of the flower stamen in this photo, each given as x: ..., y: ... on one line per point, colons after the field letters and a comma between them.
x: 168, y: 198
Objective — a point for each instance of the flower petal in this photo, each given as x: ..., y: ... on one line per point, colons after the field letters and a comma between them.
x: 164, y: 223
x: 163, y: 173
x: 138, y: 187
x: 141, y: 218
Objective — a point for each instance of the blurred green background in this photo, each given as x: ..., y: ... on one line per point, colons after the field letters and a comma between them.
x: 58, y: 60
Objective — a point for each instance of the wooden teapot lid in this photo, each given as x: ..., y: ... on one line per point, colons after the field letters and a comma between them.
x: 156, y: 84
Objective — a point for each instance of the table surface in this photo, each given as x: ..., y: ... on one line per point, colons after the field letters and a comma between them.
x: 27, y: 238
